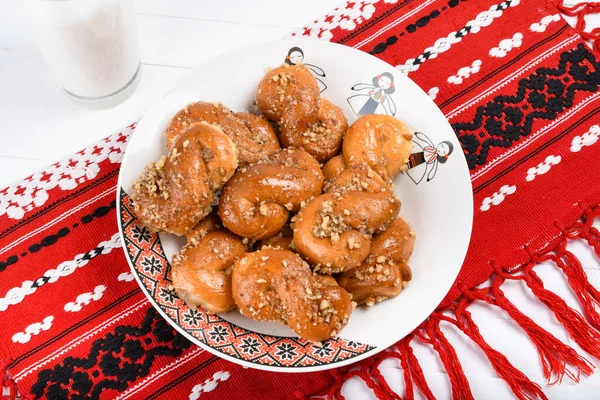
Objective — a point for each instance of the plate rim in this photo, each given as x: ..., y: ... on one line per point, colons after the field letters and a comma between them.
x: 180, y: 329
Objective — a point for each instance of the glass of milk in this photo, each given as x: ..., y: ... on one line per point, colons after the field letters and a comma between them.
x: 90, y: 46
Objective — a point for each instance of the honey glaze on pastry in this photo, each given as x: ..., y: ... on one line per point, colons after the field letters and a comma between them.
x: 334, y: 230
x: 277, y: 285
x: 334, y: 167
x: 382, y: 142
x: 319, y: 213
x: 282, y: 240
x: 254, y: 137
x: 257, y: 200
x: 385, y: 272
x: 201, y: 270
x: 176, y: 192
x: 290, y: 96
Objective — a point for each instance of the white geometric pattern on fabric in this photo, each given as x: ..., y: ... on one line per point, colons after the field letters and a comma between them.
x: 483, y: 19
x: 587, y: 139
x: 542, y: 167
x: 85, y: 298
x: 125, y: 277
x: 346, y: 17
x: 209, y: 384
x: 465, y: 72
x: 17, y: 294
x: 543, y: 24
x: 433, y: 92
x: 67, y: 174
x: 33, y: 330
x: 498, y: 197
x: 507, y: 45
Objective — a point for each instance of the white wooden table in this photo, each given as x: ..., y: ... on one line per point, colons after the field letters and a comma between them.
x: 40, y: 126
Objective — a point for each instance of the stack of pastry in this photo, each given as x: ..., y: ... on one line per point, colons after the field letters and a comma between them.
x: 288, y: 217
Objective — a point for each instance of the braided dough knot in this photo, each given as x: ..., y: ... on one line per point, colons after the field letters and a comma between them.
x: 289, y: 95
x: 334, y: 230
x: 177, y: 191
x: 277, y: 285
x: 201, y: 270
x: 253, y: 135
x: 257, y: 200
x: 385, y: 272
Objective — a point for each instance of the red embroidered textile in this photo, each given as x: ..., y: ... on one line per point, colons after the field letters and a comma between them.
x: 521, y: 91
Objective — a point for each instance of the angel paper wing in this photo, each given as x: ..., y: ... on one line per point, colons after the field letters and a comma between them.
x: 421, y: 137
x: 316, y: 70
x: 432, y: 171
x: 362, y: 86
x: 391, y: 105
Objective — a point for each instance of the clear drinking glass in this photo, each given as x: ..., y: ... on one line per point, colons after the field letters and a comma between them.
x: 90, y: 46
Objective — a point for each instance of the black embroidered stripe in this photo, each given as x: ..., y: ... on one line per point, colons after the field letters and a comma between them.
x: 462, y: 32
x: 74, y: 194
x: 41, y: 281
x: 183, y: 377
x: 113, y: 362
x: 555, y: 138
x: 412, y: 27
x: 52, y: 239
x: 505, y: 66
x: 70, y: 329
x: 543, y: 95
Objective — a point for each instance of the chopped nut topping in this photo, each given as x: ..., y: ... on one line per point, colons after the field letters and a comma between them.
x: 330, y: 225
x: 264, y: 210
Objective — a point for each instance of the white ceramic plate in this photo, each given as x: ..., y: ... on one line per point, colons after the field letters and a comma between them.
x: 436, y: 200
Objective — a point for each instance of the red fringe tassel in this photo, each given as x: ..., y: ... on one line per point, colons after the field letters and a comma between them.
x: 522, y: 387
x: 580, y: 11
x: 555, y: 355
x: 577, y: 327
x: 458, y: 380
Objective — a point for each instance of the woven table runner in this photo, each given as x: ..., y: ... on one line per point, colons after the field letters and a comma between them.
x: 521, y: 91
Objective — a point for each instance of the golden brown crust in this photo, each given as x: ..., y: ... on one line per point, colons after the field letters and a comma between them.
x: 385, y: 272
x: 257, y: 201
x: 396, y: 242
x: 277, y: 285
x: 201, y: 271
x: 253, y: 135
x: 382, y: 142
x: 282, y: 240
x: 334, y: 167
x: 176, y: 192
x: 334, y: 230
x: 210, y: 223
x: 264, y: 141
x: 289, y: 95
